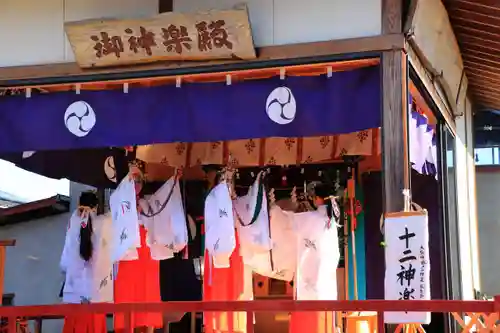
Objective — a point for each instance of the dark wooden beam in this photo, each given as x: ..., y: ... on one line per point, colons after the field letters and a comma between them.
x: 475, y: 20
x: 486, y: 50
x: 269, y: 56
x: 8, y: 242
x: 474, y: 58
x: 483, y: 74
x: 396, y: 166
x: 486, y: 98
x: 473, y: 32
x: 481, y: 5
x: 394, y: 112
x: 483, y: 86
x: 473, y: 65
x: 395, y: 162
x: 392, y: 20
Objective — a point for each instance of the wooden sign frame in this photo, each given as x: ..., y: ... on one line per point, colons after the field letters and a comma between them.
x: 209, y: 35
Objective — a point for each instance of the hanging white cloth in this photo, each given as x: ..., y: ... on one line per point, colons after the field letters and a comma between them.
x: 318, y: 255
x: 69, y: 255
x: 280, y: 262
x: 220, y: 238
x: 253, y: 256
x: 158, y: 251
x: 126, y: 236
x: 283, y: 234
x: 169, y: 224
x: 252, y: 219
x: 88, y: 281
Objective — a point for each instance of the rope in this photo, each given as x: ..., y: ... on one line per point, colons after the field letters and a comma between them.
x: 258, y: 205
x: 163, y: 205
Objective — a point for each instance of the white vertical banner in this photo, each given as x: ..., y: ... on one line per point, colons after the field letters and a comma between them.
x: 407, y: 265
x: 125, y: 233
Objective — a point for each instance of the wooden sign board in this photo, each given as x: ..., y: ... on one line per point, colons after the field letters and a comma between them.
x: 215, y: 34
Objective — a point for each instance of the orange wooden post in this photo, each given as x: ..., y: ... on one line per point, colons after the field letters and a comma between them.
x: 12, y: 324
x: 128, y: 322
x: 496, y: 308
x: 2, y: 269
x: 260, y: 285
x: 250, y: 327
x: 497, y: 303
x: 3, y: 257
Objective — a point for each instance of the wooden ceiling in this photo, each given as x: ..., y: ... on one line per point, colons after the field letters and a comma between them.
x: 477, y: 27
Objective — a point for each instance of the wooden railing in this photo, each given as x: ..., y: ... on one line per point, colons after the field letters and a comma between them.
x: 477, y: 316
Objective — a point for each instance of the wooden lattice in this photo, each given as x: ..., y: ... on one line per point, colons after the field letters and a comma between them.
x: 409, y: 328
x: 478, y: 322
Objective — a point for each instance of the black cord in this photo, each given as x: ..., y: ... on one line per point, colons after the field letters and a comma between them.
x: 162, y: 207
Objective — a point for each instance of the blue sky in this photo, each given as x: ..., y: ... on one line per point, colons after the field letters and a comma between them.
x: 29, y: 186
x: 487, y: 156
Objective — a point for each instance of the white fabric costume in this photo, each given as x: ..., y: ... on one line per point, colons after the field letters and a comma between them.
x: 72, y: 234
x: 252, y: 223
x: 169, y: 225
x: 318, y: 255
x: 220, y: 237
x: 283, y: 247
x: 90, y: 281
x: 158, y: 251
x: 282, y: 233
x: 126, y: 236
x: 166, y: 228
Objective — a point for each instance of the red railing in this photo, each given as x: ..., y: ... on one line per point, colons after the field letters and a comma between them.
x: 482, y: 315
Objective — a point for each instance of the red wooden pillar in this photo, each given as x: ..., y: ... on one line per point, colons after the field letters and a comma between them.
x: 3, y: 258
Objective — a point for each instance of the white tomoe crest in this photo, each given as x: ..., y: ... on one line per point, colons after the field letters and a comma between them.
x: 79, y: 118
x: 28, y: 154
x: 110, y: 169
x: 281, y: 106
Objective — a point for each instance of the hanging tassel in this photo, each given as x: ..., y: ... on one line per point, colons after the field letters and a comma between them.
x: 351, y: 201
x: 272, y: 197
x: 293, y: 195
x: 407, y: 200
